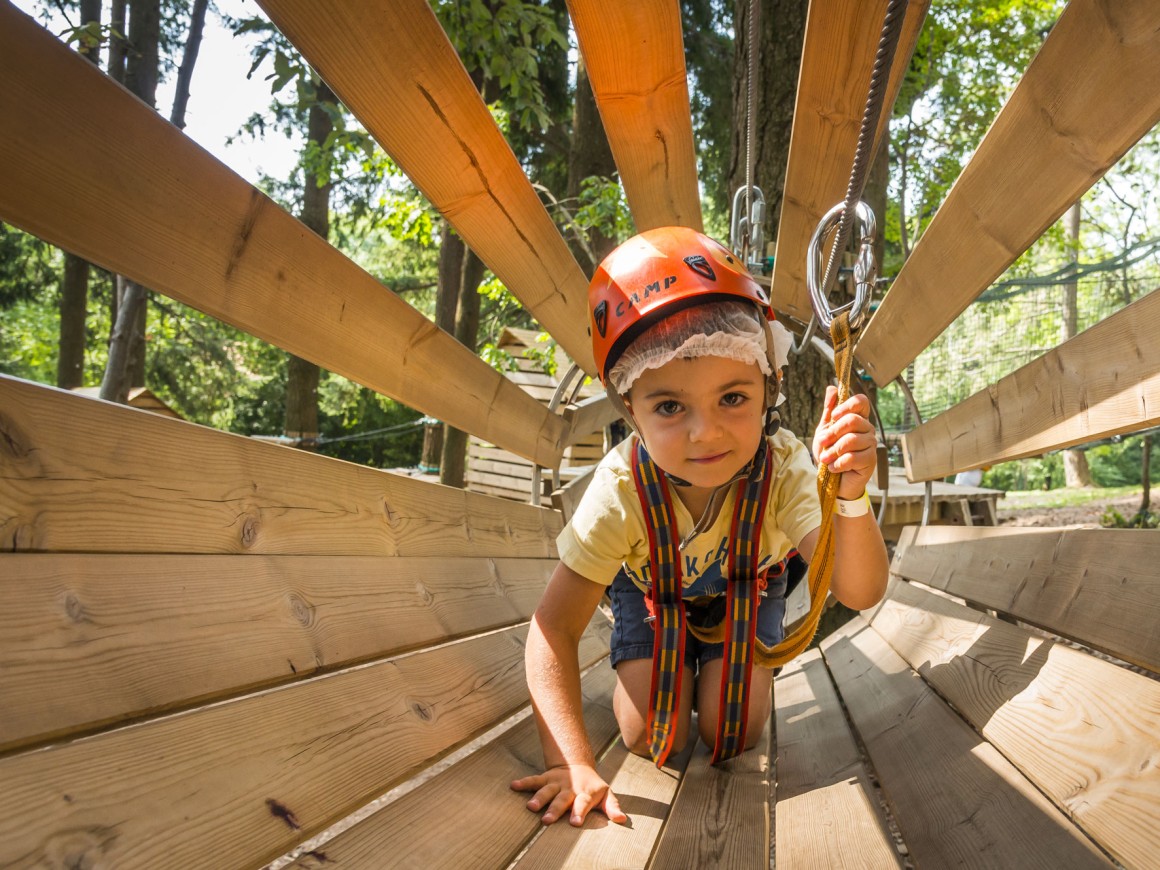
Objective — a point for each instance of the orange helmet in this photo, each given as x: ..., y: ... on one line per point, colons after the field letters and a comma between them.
x: 654, y: 274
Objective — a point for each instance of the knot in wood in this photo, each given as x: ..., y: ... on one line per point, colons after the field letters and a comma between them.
x: 302, y: 610
x: 249, y: 531
x: 424, y: 711
x: 74, y: 608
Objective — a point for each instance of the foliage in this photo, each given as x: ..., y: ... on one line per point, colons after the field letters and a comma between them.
x: 1113, y: 519
x: 27, y: 266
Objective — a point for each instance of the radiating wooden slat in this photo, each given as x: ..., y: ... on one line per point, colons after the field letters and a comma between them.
x: 81, y: 475
x: 88, y: 167
x: 88, y: 640
x: 1084, y: 730
x: 248, y: 779
x: 414, y: 829
x: 394, y: 67
x: 589, y: 416
x: 827, y: 813
x: 645, y: 794
x: 1103, y: 382
x: 837, y: 58
x: 1078, y: 109
x: 635, y: 58
x: 714, y: 804
x: 957, y: 801
x: 1100, y: 587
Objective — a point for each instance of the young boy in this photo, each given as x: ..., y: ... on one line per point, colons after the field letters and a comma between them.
x: 685, y: 346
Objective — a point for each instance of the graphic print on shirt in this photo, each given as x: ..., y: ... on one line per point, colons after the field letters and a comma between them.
x: 701, y: 575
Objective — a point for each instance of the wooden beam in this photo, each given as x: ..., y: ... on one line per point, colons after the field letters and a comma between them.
x: 1083, y: 730
x: 499, y: 825
x: 837, y: 58
x: 148, y: 484
x: 1078, y: 109
x: 1103, y: 382
x: 827, y: 810
x: 591, y: 415
x: 88, y: 640
x: 88, y: 167
x: 1096, y: 586
x: 954, y: 796
x: 394, y: 67
x: 635, y: 59
x: 257, y: 775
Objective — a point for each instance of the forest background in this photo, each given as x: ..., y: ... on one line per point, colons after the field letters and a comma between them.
x: 67, y: 323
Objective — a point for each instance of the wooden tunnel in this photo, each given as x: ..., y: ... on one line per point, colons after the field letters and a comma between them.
x: 214, y: 649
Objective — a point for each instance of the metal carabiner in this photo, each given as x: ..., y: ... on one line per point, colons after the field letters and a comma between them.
x: 865, y: 267
x: 745, y: 228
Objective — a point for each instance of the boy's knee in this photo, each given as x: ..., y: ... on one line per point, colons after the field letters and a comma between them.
x: 636, y: 741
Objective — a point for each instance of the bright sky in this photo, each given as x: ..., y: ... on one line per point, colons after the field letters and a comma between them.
x: 221, y: 97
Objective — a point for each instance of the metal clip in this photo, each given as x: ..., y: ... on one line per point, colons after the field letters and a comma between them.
x: 865, y: 267
x: 745, y: 233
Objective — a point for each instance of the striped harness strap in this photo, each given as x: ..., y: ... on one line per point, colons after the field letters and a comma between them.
x: 666, y: 604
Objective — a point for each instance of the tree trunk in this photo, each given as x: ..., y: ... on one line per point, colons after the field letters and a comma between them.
x: 117, y: 43
x: 782, y: 31
x: 453, y: 460
x: 302, y: 377
x: 1075, y: 465
x: 1146, y: 475
x: 451, y: 252
x: 126, y: 365
x: 188, y: 60
x: 590, y: 155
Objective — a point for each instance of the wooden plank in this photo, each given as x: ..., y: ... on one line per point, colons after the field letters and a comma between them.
x: 1096, y: 586
x: 827, y: 813
x: 957, y: 801
x: 152, y: 205
x: 88, y: 640
x: 635, y: 58
x: 591, y: 415
x: 721, y: 815
x: 1084, y: 730
x: 395, y: 68
x: 1078, y: 109
x: 841, y: 41
x: 498, y: 825
x: 645, y: 794
x: 145, y: 483
x: 1103, y: 382
x: 566, y: 498
x: 252, y: 777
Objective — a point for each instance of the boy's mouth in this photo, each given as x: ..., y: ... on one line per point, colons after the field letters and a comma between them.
x: 708, y: 459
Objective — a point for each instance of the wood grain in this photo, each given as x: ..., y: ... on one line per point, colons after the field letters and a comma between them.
x: 1077, y: 110
x: 88, y: 167
x: 144, y: 483
x: 827, y: 813
x: 495, y: 824
x: 635, y: 58
x: 250, y: 778
x: 957, y: 801
x: 87, y: 640
x: 1100, y: 587
x: 1103, y: 382
x: 395, y: 68
x: 1084, y: 730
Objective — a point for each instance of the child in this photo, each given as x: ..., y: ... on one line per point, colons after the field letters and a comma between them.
x: 685, y: 346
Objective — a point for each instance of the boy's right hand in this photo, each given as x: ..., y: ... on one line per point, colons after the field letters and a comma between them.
x: 578, y: 786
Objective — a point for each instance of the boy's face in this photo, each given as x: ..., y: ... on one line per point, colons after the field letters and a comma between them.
x: 701, y: 418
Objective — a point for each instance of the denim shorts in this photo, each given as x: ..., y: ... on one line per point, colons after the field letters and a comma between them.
x: 632, y: 637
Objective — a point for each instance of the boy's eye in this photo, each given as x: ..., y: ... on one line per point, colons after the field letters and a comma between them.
x: 732, y: 400
x: 667, y: 408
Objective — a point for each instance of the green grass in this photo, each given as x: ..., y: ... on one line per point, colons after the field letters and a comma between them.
x: 1058, y: 498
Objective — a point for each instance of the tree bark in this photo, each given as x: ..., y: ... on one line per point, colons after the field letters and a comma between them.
x: 117, y: 41
x: 302, y: 377
x: 188, y: 60
x: 590, y: 155
x: 453, y: 460
x: 74, y: 288
x: 782, y: 31
x: 451, y: 252
x: 1076, y: 471
x: 126, y: 365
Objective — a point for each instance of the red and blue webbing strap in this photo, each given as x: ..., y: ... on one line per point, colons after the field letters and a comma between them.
x: 668, y: 606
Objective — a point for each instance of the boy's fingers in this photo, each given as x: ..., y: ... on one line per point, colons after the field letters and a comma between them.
x: 580, y: 808
x: 559, y: 807
x: 543, y: 797
x: 612, y: 809
x: 527, y: 783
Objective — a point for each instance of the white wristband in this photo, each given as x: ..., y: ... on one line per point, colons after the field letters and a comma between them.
x: 855, y: 507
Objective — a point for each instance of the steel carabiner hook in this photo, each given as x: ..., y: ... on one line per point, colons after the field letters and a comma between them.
x: 865, y: 267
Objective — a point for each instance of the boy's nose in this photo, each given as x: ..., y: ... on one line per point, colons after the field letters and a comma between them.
x: 704, y: 427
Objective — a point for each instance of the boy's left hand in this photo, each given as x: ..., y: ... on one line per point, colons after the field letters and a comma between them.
x: 845, y: 442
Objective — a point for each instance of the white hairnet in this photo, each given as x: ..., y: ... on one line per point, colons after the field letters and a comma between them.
x: 725, y: 329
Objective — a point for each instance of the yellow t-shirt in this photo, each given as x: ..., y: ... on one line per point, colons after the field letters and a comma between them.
x: 607, y: 531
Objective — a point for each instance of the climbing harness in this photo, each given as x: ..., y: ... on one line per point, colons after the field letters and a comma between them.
x: 668, y: 610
